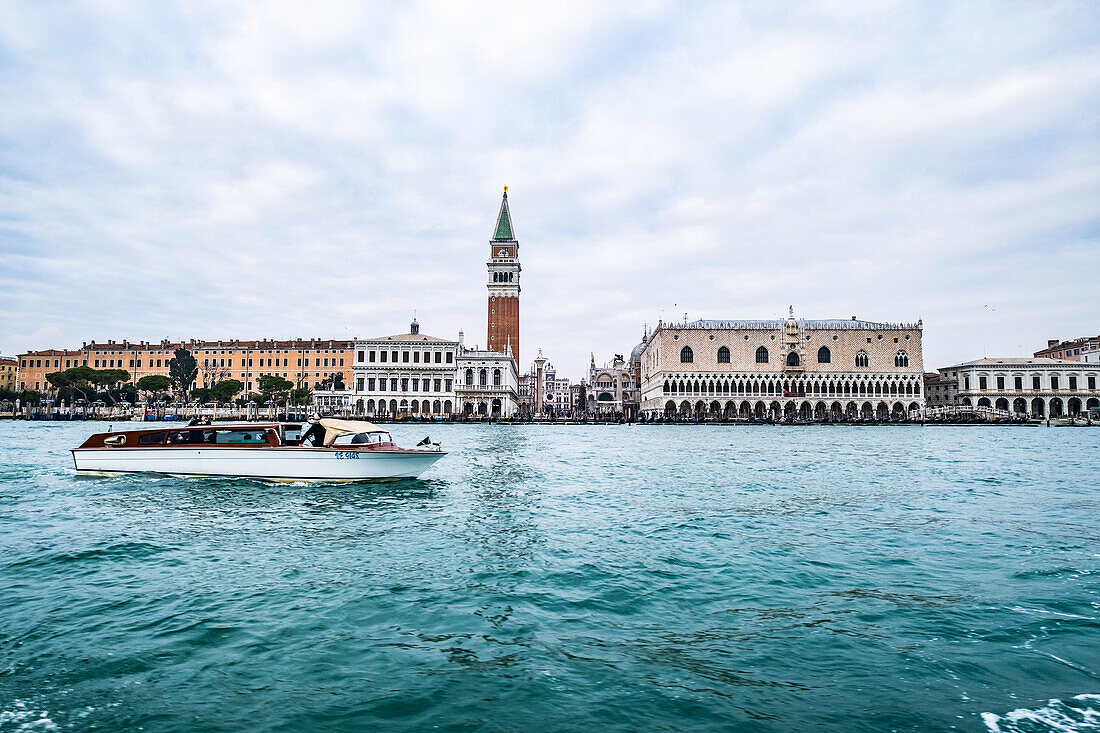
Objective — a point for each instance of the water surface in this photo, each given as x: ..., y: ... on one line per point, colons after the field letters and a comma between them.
x: 566, y: 578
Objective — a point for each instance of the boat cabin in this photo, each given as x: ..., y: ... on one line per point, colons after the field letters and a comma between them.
x: 343, y: 434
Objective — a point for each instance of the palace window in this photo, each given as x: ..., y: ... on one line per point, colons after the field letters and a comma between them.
x: 824, y: 356
x: 982, y: 384
x: 1019, y: 383
x: 686, y: 355
x: 370, y: 384
x: 901, y: 359
x: 792, y: 359
x: 723, y: 355
x: 469, y: 377
x: 1054, y: 382
x: 450, y: 356
x: 496, y: 377
x: 1092, y: 383
x: 1035, y: 383
x: 404, y: 356
x: 482, y: 378
x: 1073, y: 382
x: 1000, y: 383
x: 861, y: 359
x: 762, y: 355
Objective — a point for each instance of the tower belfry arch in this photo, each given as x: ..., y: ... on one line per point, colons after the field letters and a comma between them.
x: 503, y: 285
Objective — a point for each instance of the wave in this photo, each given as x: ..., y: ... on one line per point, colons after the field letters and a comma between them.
x: 1070, y: 716
x: 22, y: 717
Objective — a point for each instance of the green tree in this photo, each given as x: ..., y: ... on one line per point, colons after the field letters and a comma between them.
x: 183, y: 368
x: 202, y: 395
x: 81, y: 380
x: 225, y: 390
x: 582, y: 399
x: 153, y: 385
x: 250, y: 397
x: 301, y: 396
x: 107, y: 379
x: 273, y: 386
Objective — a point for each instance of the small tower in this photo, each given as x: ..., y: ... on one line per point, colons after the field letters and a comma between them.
x: 414, y: 327
x: 503, y: 285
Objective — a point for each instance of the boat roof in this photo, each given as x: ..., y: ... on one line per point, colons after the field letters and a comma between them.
x: 334, y: 428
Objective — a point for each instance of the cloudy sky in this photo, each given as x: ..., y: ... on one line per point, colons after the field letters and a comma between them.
x: 217, y: 170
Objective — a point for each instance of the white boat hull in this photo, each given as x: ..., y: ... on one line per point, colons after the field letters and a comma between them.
x: 285, y: 464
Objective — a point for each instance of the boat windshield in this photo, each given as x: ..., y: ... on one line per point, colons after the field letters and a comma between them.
x: 362, y: 438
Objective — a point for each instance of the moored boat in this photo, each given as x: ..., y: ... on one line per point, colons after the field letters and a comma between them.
x: 327, y: 449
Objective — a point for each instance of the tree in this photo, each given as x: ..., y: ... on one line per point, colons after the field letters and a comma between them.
x: 301, y: 396
x: 272, y: 386
x: 106, y: 379
x: 154, y: 384
x: 582, y: 399
x: 183, y: 369
x: 79, y: 380
x: 225, y: 390
x: 202, y: 395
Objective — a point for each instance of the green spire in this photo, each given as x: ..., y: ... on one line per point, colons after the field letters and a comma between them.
x: 503, y: 231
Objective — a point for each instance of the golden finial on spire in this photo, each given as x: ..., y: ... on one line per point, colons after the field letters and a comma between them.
x: 505, y: 189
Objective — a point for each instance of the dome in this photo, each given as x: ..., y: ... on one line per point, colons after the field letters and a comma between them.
x: 636, y: 353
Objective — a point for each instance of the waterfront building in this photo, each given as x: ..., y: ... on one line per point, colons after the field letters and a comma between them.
x: 404, y: 374
x: 940, y: 390
x: 808, y: 368
x: 1073, y: 350
x: 503, y: 285
x: 523, y: 396
x: 611, y: 388
x: 306, y: 362
x: 1037, y: 387
x: 487, y: 383
x: 9, y: 372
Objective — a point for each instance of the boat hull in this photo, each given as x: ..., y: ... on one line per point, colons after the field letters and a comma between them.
x: 279, y: 464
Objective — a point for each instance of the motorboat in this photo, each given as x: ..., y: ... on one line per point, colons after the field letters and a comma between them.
x: 325, y: 450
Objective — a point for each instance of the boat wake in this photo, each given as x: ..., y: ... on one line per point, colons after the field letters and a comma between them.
x: 1080, y: 713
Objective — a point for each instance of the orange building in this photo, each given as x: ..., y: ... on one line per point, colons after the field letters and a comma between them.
x: 1069, y: 350
x: 304, y: 362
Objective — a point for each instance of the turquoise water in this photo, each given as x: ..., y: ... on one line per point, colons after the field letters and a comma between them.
x: 567, y: 578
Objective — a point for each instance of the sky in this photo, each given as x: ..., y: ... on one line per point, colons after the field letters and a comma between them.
x: 248, y: 170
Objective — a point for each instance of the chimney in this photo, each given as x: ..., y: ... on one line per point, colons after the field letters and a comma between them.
x: 1052, y: 342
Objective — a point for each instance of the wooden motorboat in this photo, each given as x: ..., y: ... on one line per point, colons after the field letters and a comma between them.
x: 326, y: 449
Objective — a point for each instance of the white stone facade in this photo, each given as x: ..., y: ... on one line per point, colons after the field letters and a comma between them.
x: 486, y: 384
x: 1036, y: 387
x: 806, y: 368
x: 610, y: 387
x: 405, y: 374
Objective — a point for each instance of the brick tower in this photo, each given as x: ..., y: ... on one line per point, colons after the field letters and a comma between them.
x: 503, y: 285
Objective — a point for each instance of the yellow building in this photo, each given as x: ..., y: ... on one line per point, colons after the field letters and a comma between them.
x: 303, y: 361
x: 9, y: 370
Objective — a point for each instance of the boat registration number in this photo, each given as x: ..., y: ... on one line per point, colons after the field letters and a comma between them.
x: 346, y: 454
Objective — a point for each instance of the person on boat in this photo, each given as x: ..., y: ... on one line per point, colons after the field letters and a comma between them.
x: 315, y: 435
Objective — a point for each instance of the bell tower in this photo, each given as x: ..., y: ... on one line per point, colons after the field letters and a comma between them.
x: 503, y: 285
